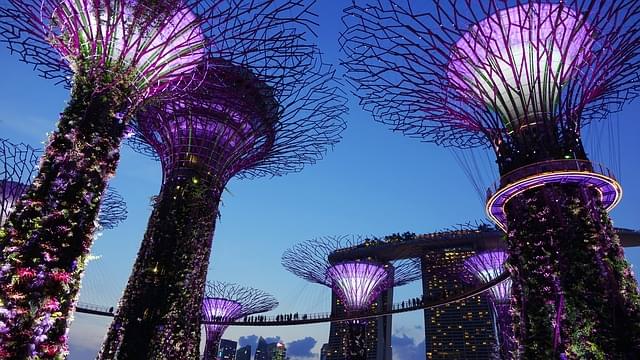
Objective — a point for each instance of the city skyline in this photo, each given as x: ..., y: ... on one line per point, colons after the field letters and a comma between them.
x: 374, y: 182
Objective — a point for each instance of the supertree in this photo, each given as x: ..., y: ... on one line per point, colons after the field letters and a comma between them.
x: 267, y: 106
x: 523, y: 78
x: 485, y: 267
x: 357, y: 283
x: 228, y: 302
x: 115, y: 55
x: 18, y: 164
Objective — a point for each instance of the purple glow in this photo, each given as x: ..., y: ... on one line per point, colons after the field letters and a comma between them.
x: 10, y: 192
x: 112, y: 33
x: 608, y: 189
x: 359, y: 283
x: 488, y: 266
x: 517, y: 60
x: 221, y: 310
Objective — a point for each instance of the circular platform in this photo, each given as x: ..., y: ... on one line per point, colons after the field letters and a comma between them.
x: 553, y: 172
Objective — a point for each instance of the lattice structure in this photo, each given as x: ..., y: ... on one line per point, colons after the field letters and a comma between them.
x: 310, y: 261
x: 357, y: 283
x: 464, y: 75
x: 267, y: 106
x: 228, y: 302
x: 17, y: 167
x: 19, y: 163
x: 523, y: 78
x: 486, y: 267
x: 154, y: 47
x: 240, y: 123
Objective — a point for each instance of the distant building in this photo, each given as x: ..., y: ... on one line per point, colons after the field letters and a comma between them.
x: 261, y: 349
x: 324, y: 352
x: 378, y: 332
x: 461, y: 330
x: 227, y: 350
x: 276, y: 351
x: 270, y: 351
x: 244, y: 353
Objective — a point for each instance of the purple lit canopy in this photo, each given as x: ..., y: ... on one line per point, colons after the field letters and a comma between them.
x: 151, y: 45
x: 356, y: 282
x: 228, y: 302
x: 486, y: 267
x: 517, y: 61
x: 470, y: 75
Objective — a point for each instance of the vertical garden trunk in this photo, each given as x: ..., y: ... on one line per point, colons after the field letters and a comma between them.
x: 573, y: 272
x: 46, y: 240
x: 160, y: 312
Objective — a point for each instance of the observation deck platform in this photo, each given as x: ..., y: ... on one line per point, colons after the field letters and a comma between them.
x: 478, y: 239
x: 577, y: 172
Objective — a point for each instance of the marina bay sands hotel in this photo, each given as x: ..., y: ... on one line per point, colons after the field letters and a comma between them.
x: 462, y: 330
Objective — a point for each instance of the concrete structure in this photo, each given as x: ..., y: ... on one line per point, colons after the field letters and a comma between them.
x: 378, y: 331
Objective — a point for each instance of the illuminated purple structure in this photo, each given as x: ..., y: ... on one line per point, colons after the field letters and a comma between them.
x: 114, y: 55
x: 486, y: 267
x: 357, y: 283
x: 229, y: 302
x: 523, y: 78
x: 267, y: 106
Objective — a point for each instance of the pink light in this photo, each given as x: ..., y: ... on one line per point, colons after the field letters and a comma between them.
x: 357, y: 284
x: 517, y: 60
x: 215, y: 309
x: 608, y: 189
x: 154, y: 52
x: 488, y: 266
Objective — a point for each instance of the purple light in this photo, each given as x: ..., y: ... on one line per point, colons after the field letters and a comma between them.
x: 488, y: 266
x: 215, y: 309
x: 359, y: 283
x: 517, y: 60
x: 608, y: 189
x: 112, y: 33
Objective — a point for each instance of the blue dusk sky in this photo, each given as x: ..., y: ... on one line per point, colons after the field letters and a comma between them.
x: 374, y: 182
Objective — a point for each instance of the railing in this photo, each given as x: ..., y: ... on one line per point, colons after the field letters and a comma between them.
x: 305, y: 319
x: 316, y: 318
x: 548, y: 166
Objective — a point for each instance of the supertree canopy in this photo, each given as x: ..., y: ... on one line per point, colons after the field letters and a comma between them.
x: 486, y: 267
x: 228, y: 302
x: 267, y: 106
x: 357, y: 283
x: 116, y: 54
x: 524, y: 78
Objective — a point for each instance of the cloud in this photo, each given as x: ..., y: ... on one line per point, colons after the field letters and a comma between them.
x: 405, y: 348
x: 253, y: 341
x: 301, y: 348
x: 248, y: 340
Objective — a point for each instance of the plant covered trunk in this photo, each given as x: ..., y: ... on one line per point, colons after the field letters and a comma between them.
x: 575, y: 290
x: 46, y: 240
x: 160, y: 312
